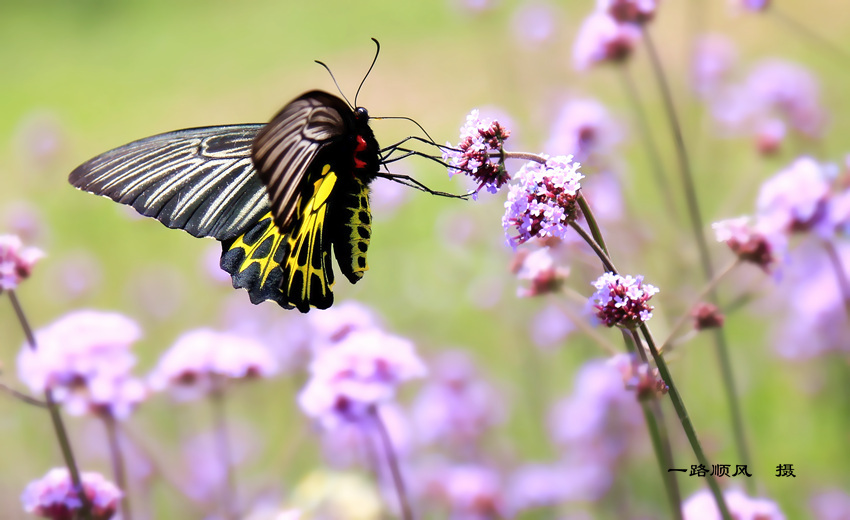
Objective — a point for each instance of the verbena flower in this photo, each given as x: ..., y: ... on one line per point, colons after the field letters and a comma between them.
x: 707, y: 316
x: 457, y: 407
x: 16, y: 261
x: 751, y: 242
x: 629, y: 11
x: 787, y: 89
x: 583, y: 128
x: 543, y: 202
x: 200, y: 360
x: 333, y: 325
x: 84, y: 358
x: 702, y: 506
x: 715, y: 57
x: 795, y: 199
x: 482, y: 141
x: 622, y: 300
x: 540, y: 270
x: 770, y: 133
x: 602, y: 39
x: 639, y: 377
x: 54, y: 496
x: 359, y: 372
x: 467, y: 491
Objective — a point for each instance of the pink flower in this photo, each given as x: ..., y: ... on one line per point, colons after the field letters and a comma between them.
x: 602, y: 39
x: 359, y: 372
x: 583, y: 128
x: 333, y: 325
x: 85, y: 359
x: 795, y: 199
x: 639, y: 377
x: 16, y: 261
x: 202, y: 359
x: 468, y: 491
x: 629, y: 11
x: 540, y: 269
x: 702, y: 506
x: 544, y: 201
x: 622, y: 300
x: 714, y: 58
x: 755, y: 243
x: 479, y: 139
x: 54, y: 496
x: 789, y: 90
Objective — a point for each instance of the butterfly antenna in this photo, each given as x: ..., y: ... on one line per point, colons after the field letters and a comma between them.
x: 415, y: 122
x: 337, y: 84
x: 374, y: 60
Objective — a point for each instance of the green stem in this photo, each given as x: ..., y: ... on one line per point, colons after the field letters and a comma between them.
x: 720, y: 346
x: 684, y: 418
x: 118, y: 470
x: 55, y: 417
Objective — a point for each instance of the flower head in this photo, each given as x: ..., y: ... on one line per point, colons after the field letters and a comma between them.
x: 714, y: 58
x: 787, y: 89
x: 85, y: 359
x: 544, y: 200
x: 629, y: 11
x: 540, y: 269
x: 707, y: 316
x: 16, y: 261
x: 468, y: 491
x: 754, y: 243
x: 602, y: 39
x: 583, y: 128
x: 201, y: 359
x: 795, y: 199
x: 53, y: 496
x: 639, y: 377
x: 622, y: 300
x: 482, y: 141
x: 356, y: 374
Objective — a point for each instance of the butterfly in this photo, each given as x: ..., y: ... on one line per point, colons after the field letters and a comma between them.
x: 279, y: 197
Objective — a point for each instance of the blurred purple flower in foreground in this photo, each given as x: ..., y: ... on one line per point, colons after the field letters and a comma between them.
x: 469, y: 492
x: 714, y: 58
x: 602, y: 39
x: 479, y: 139
x: 456, y: 407
x: 789, y: 90
x: 200, y: 361
x: 361, y: 371
x: 701, y: 506
x: 85, y: 359
x: 539, y: 268
x: 54, y: 496
x: 332, y: 325
x: 543, y: 202
x: 16, y: 261
x: 639, y: 377
x: 831, y: 505
x: 622, y: 300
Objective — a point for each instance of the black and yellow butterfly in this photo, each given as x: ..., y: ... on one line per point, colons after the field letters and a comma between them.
x: 278, y: 196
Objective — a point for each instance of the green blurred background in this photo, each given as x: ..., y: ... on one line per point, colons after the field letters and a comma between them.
x: 92, y: 75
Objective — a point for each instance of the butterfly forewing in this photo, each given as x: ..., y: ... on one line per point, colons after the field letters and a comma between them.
x: 289, y: 144
x: 200, y: 179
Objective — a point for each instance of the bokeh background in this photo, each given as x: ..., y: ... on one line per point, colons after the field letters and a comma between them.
x: 79, y: 78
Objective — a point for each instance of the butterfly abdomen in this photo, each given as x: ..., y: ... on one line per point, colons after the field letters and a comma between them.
x: 353, y: 230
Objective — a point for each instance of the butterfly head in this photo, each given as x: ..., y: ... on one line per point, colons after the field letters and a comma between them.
x: 361, y: 115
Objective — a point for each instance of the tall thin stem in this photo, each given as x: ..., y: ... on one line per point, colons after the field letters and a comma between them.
x: 228, y: 491
x: 118, y: 471
x: 55, y: 417
x: 721, y: 348
x: 392, y: 461
x: 657, y: 165
x: 685, y: 420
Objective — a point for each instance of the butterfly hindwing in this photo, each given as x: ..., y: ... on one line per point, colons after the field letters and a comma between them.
x: 201, y: 180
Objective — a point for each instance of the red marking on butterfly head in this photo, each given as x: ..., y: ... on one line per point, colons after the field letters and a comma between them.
x: 361, y: 146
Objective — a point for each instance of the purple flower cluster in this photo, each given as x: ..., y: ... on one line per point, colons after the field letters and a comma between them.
x: 479, y: 152
x: 84, y: 358
x: 543, y: 202
x: 639, y: 377
x: 540, y: 269
x: 584, y: 129
x: 751, y: 242
x: 349, y: 379
x: 602, y: 38
x: 795, y: 199
x: 16, y: 261
x: 629, y: 11
x: 201, y: 360
x: 622, y: 300
x: 54, y: 496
